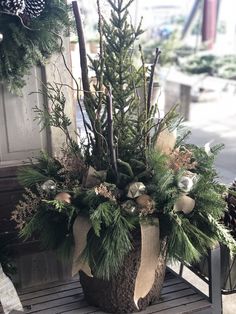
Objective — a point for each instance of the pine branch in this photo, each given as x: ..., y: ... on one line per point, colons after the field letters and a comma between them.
x: 29, y: 177
x: 106, y: 253
x: 223, y: 234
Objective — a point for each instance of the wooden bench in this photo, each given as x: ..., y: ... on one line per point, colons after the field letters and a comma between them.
x: 178, y: 296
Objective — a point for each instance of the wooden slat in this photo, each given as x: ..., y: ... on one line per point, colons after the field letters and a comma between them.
x: 9, y: 184
x: 173, y: 288
x: 50, y: 292
x: 80, y: 308
x: 67, y: 298
x: 27, y: 292
x: 167, y: 298
x: 193, y: 307
x: 172, y: 281
x: 8, y: 171
x: 184, y: 301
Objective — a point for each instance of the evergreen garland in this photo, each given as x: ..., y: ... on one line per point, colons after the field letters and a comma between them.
x: 24, y: 46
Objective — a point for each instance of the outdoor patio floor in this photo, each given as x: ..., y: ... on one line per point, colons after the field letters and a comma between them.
x: 67, y: 297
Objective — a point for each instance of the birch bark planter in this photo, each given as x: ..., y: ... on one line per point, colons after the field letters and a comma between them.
x: 117, y: 294
x: 140, y: 278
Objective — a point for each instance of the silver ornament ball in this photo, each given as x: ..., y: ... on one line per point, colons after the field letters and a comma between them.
x: 48, y: 186
x: 1, y: 37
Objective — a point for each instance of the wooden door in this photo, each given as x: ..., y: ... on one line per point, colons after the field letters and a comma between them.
x: 20, y: 136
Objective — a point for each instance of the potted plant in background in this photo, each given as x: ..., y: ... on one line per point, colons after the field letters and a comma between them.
x: 132, y: 194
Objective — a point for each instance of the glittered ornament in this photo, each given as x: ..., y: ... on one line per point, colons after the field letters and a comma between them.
x: 185, y: 184
x: 94, y: 177
x: 63, y: 197
x: 136, y: 189
x: 130, y: 207
x: 185, y: 204
x: 146, y: 204
x: 187, y: 181
x: 48, y: 186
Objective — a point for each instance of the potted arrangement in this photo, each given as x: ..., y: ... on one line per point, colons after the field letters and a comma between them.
x: 132, y: 194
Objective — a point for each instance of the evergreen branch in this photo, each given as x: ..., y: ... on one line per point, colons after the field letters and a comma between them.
x: 179, y: 244
x: 223, y: 234
x: 29, y: 177
x: 56, y: 117
x: 126, y: 6
x: 106, y: 253
x: 103, y: 214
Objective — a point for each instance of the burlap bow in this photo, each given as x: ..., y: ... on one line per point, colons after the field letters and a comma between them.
x: 150, y: 250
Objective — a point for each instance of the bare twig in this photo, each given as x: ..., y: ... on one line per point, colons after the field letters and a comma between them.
x: 100, y: 81
x: 111, y: 133
x: 144, y: 78
x: 89, y: 100
x: 82, y: 48
x: 77, y: 85
x: 150, y: 87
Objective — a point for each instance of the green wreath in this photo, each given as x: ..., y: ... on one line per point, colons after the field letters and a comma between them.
x: 27, y: 41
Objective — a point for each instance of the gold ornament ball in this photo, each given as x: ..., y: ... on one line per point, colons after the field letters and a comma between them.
x: 145, y: 203
x: 63, y: 197
x: 144, y: 200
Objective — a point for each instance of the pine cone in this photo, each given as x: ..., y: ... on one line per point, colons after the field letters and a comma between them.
x: 33, y: 8
x: 230, y: 213
x: 26, y: 8
x: 12, y: 6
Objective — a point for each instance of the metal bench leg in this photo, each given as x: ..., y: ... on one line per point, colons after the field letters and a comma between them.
x: 215, y: 280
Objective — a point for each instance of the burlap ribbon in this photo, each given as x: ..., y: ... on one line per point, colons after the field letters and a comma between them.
x: 8, y: 295
x: 81, y: 227
x: 150, y: 250
x: 166, y: 141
